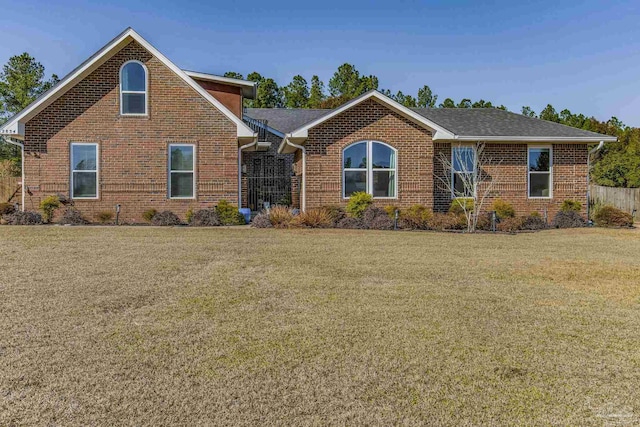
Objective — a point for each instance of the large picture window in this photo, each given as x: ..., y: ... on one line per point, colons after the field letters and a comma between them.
x: 463, y: 161
x: 369, y: 166
x: 133, y: 89
x: 182, y: 171
x: 84, y: 171
x: 540, y: 172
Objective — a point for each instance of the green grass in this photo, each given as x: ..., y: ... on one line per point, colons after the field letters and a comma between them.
x: 157, y: 326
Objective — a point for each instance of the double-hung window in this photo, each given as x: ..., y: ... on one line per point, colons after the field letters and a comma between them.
x: 182, y: 171
x: 84, y: 170
x: 540, y: 172
x: 463, y: 170
x: 133, y: 89
x: 369, y: 166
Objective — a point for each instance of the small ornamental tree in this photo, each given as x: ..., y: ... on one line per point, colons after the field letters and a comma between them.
x: 466, y: 179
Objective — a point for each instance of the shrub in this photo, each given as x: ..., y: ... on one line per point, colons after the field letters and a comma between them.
x: 376, y: 218
x: 358, y: 203
x: 503, y: 209
x: 7, y: 208
x: 204, y: 218
x: 104, y: 217
x: 72, y: 216
x: 448, y: 221
x: 417, y: 217
x: 571, y: 205
x: 336, y: 213
x: 568, y: 219
x: 484, y: 222
x: 48, y: 205
x: 534, y: 221
x: 350, y: 223
x: 313, y: 218
x: 510, y: 224
x: 165, y: 218
x: 229, y: 214
x: 189, y: 215
x: 609, y: 216
x: 23, y: 218
x: 459, y: 205
x: 280, y: 216
x: 149, y: 214
x: 262, y: 220
x: 391, y: 211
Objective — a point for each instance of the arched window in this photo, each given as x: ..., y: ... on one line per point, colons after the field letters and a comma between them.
x: 133, y: 89
x: 369, y: 166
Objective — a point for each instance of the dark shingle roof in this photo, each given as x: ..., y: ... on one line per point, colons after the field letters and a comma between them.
x: 285, y: 120
x: 493, y: 122
x: 463, y: 122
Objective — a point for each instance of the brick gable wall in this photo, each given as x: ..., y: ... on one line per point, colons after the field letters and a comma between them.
x: 418, y: 160
x: 133, y: 151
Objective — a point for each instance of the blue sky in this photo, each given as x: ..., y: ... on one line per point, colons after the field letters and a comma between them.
x: 585, y: 57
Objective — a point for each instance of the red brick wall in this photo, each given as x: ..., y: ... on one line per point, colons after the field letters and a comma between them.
x: 418, y: 160
x: 229, y: 96
x: 133, y: 150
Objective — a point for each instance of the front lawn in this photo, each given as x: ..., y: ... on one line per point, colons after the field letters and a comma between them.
x: 157, y: 326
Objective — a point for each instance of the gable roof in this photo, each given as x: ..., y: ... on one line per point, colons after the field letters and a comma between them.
x: 285, y: 120
x: 494, y: 125
x: 15, y: 125
x: 248, y: 87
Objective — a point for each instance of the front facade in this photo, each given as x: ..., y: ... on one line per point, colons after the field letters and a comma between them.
x: 129, y: 128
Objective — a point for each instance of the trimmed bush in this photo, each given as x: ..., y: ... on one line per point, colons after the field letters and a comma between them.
x: 417, y: 217
x: 189, y: 215
x: 72, y: 216
x: 48, y: 205
x: 376, y: 218
x: 229, y: 214
x: 262, y: 220
x: 391, y: 211
x: 510, y: 225
x: 459, y: 205
x: 336, y: 213
x: 23, y: 218
x: 280, y: 216
x: 484, y: 222
x: 313, y: 218
x: 166, y: 218
x: 534, y: 221
x: 204, y: 218
x: 609, y: 216
x: 104, y: 217
x: 448, y: 221
x: 358, y: 203
x: 149, y: 214
x: 7, y: 208
x: 350, y: 223
x: 503, y: 209
x: 571, y: 206
x: 569, y: 219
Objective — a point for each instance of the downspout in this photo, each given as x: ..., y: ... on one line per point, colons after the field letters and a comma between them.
x: 592, y: 151
x: 23, y: 189
x: 303, y: 189
x: 244, y: 147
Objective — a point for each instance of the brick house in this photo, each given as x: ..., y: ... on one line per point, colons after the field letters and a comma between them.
x: 130, y: 128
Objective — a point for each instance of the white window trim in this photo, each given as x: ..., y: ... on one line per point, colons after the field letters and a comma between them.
x: 550, y: 148
x: 145, y: 92
x: 453, y: 172
x: 192, y: 171
x: 97, y: 171
x: 369, y: 169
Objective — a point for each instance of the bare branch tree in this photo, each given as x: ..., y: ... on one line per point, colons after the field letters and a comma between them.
x: 466, y: 179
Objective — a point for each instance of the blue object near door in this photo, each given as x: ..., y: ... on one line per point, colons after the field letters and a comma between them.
x: 246, y: 213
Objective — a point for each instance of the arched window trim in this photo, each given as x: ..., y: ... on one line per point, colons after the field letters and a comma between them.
x: 369, y: 168
x: 146, y: 89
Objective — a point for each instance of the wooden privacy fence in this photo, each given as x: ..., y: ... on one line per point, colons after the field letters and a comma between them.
x: 626, y: 199
x: 9, y: 186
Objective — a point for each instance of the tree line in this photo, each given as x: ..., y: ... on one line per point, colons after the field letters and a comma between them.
x: 23, y: 79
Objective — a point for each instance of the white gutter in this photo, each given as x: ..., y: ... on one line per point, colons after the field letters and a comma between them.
x: 303, y: 189
x: 244, y: 147
x: 22, y: 189
x: 532, y: 138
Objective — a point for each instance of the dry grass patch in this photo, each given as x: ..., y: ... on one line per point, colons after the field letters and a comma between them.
x: 244, y: 326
